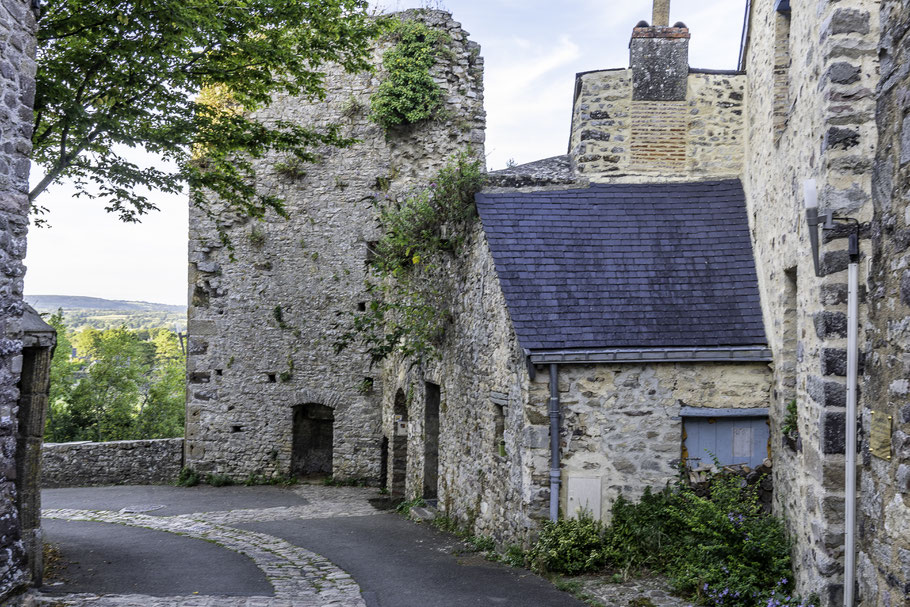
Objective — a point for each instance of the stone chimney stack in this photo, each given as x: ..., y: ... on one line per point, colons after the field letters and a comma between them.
x: 661, y: 15
x: 659, y: 57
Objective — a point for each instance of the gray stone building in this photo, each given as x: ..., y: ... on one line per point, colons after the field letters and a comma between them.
x: 26, y: 341
x: 268, y: 394
x: 655, y: 280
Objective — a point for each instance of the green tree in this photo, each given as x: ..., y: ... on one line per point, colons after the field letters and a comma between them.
x: 117, y: 74
x: 63, y: 380
x: 162, y: 411
x: 104, y: 402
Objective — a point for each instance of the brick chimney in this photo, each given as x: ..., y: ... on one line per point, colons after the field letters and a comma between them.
x: 659, y: 57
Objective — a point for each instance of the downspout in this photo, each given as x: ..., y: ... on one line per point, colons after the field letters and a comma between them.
x: 850, y: 446
x: 554, y: 442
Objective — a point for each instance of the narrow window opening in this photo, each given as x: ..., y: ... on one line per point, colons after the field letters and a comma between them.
x: 272, y: 378
x: 781, y: 74
x: 236, y: 429
x: 361, y: 306
x: 499, y: 429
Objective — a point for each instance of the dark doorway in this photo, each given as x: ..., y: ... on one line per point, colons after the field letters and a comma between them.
x: 400, y: 446
x: 313, y: 434
x: 431, y: 442
x: 384, y: 462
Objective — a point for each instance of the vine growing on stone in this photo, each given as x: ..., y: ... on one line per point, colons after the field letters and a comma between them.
x: 409, y: 306
x: 408, y: 94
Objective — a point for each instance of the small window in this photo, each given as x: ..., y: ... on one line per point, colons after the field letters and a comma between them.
x: 499, y: 428
x: 733, y: 436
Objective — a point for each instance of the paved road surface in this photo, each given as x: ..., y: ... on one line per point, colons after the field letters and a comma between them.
x: 307, y: 546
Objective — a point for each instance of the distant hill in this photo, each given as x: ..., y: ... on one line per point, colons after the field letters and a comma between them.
x: 84, y: 312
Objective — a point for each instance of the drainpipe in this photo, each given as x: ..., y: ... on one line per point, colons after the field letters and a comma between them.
x: 850, y: 446
x: 554, y: 442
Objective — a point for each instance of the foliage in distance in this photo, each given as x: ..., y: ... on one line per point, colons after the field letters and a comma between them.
x: 121, y: 385
x: 118, y: 74
x: 721, y: 550
x: 409, y: 305
x: 408, y: 94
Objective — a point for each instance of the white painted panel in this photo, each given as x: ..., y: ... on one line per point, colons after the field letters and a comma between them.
x: 742, y: 442
x: 584, y: 494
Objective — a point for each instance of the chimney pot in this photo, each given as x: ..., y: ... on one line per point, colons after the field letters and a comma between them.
x: 661, y: 14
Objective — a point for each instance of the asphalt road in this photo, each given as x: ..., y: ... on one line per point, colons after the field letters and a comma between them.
x: 396, y: 562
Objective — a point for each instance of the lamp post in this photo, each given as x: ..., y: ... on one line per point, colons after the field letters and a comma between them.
x: 811, y: 201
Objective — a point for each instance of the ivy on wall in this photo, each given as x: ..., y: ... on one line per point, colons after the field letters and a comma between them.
x: 408, y: 94
x: 409, y: 306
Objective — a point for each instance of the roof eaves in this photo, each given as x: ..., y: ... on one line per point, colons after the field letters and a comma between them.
x: 759, y: 353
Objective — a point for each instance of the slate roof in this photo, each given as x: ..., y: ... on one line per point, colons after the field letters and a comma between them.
x: 626, y: 265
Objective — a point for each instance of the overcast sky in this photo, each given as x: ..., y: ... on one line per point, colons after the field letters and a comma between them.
x: 532, y: 51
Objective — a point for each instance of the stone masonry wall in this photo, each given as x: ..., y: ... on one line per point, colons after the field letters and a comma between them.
x: 622, y: 424
x: 481, y: 368
x: 17, y: 93
x: 262, y: 328
x: 827, y: 134
x: 614, y: 138
x: 883, y: 562
x: 125, y: 462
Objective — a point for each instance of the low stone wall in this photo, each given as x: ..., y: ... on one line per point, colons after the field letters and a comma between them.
x: 128, y: 462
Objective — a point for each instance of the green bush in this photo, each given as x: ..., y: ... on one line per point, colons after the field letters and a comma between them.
x: 408, y: 94
x: 218, y: 480
x: 720, y: 549
x: 187, y: 478
x: 571, y: 546
x: 409, y: 310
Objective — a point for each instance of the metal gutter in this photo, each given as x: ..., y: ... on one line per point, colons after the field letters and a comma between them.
x: 639, y: 355
x: 555, y: 474
x: 744, y: 41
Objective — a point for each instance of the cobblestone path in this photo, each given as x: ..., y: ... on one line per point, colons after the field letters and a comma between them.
x: 300, y: 578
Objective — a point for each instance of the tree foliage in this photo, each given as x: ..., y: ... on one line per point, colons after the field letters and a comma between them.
x: 119, y: 386
x: 117, y: 74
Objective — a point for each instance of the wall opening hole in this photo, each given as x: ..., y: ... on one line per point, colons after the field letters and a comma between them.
x: 499, y: 430
x: 361, y: 306
x: 313, y: 437
x: 272, y: 378
x: 219, y: 372
x: 236, y: 429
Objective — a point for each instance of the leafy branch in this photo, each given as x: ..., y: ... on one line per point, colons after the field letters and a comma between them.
x: 114, y: 75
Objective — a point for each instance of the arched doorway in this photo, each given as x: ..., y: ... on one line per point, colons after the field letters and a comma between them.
x: 400, y: 446
x: 312, y: 442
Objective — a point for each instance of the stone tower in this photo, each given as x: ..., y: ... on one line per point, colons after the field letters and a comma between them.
x: 267, y: 392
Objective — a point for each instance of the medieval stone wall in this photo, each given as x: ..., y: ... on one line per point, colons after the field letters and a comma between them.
x: 481, y: 374
x: 825, y: 132
x: 17, y: 92
x: 621, y: 423
x: 125, y: 462
x: 262, y: 327
x: 883, y: 562
x: 616, y: 138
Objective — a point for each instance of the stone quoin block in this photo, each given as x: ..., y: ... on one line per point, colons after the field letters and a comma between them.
x: 830, y: 324
x: 833, y: 431
x: 826, y: 393
x: 843, y: 73
x: 849, y: 21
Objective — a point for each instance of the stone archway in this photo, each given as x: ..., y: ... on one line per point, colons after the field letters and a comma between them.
x: 313, y: 436
x: 399, y: 454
